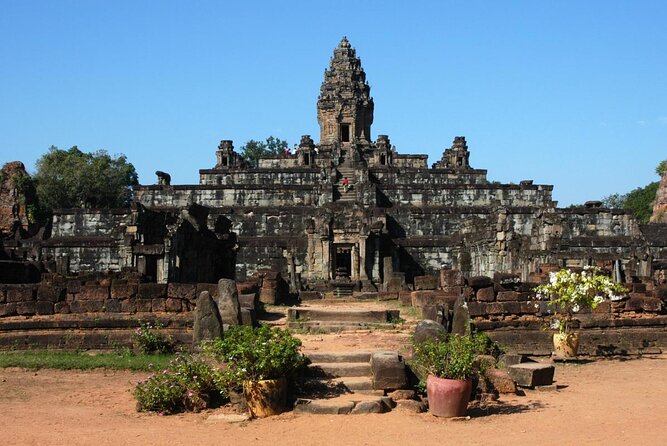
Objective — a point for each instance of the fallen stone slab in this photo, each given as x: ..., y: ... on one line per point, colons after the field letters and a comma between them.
x: 412, y: 406
x: 509, y: 359
x: 501, y: 380
x: 323, y: 407
x: 402, y: 394
x: 532, y: 374
x: 228, y: 418
x: 373, y: 406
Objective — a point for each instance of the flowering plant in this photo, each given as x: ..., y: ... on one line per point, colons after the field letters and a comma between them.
x: 151, y: 340
x: 569, y: 292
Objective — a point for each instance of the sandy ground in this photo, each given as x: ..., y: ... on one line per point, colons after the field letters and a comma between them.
x: 606, y: 402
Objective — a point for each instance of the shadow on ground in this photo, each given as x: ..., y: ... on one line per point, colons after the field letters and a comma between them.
x: 502, y: 408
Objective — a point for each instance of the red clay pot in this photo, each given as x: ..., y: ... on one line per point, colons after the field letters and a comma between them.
x: 447, y: 397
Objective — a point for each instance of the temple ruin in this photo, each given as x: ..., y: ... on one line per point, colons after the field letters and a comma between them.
x: 394, y: 219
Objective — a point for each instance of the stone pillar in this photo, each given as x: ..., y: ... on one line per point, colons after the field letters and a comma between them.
x: 292, y: 273
x: 376, y: 260
x: 387, y: 269
x: 164, y: 262
x: 228, y: 302
x: 326, y: 260
x: 162, y: 265
x: 363, y: 275
x: 268, y: 294
x: 354, y: 261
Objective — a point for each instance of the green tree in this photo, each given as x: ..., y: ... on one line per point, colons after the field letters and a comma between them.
x: 614, y: 200
x: 72, y: 178
x: 253, y: 150
x: 639, y: 201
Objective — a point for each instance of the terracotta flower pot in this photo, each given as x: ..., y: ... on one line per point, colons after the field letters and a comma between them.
x: 265, y: 398
x: 566, y: 345
x: 447, y: 397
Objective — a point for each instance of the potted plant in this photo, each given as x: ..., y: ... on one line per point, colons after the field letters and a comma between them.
x: 449, y: 364
x: 569, y: 292
x: 260, y: 361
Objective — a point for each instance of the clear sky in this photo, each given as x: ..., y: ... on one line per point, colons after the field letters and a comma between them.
x: 569, y: 93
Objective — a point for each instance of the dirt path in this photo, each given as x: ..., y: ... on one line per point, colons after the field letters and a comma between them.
x: 606, y: 402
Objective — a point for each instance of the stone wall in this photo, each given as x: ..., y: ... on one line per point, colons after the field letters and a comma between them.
x: 507, y: 309
x: 238, y: 195
x: 89, y: 240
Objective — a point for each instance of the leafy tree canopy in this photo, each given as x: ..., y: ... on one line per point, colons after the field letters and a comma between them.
x: 253, y: 150
x: 639, y: 201
x: 72, y: 178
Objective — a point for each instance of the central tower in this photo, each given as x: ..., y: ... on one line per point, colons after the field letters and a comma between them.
x: 344, y: 107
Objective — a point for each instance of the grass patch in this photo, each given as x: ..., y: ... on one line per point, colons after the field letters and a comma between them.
x: 82, y: 361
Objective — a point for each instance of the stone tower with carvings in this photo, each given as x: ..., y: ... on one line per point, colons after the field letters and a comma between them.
x: 344, y: 107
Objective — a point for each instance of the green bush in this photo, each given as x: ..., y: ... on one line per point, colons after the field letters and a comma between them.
x: 151, y: 340
x: 253, y: 354
x: 188, y: 383
x: 455, y: 357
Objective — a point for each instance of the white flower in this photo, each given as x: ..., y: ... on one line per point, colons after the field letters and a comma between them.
x: 555, y: 324
x: 598, y: 299
x: 575, y: 308
x: 553, y: 278
x: 537, y: 305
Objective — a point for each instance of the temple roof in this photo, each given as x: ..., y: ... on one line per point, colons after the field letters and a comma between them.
x: 345, y: 79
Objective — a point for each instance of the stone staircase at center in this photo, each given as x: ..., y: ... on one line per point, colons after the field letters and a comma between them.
x: 349, y: 196
x: 332, y: 320
x: 341, y: 383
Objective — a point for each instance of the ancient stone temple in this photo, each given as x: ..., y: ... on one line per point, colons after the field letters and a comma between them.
x: 348, y: 208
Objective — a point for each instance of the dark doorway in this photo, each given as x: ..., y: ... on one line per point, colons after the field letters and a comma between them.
x: 345, y: 132
x: 343, y: 260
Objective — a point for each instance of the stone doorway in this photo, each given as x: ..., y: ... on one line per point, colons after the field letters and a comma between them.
x: 342, y: 260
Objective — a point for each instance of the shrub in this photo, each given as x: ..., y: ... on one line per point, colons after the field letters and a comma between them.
x: 188, y: 383
x: 151, y: 340
x: 455, y: 357
x: 253, y: 354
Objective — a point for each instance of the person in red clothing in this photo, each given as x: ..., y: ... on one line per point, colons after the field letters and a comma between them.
x: 346, y: 184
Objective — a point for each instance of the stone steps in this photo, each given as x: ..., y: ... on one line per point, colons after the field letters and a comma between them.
x: 345, y: 378
x: 345, y: 404
x: 321, y: 320
x: 350, y: 195
x: 333, y: 327
x: 340, y: 369
x: 353, y: 315
x: 345, y: 356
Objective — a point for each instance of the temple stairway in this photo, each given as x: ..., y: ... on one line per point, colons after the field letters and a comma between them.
x: 341, y: 383
x: 333, y: 320
x: 340, y: 337
x: 345, y: 170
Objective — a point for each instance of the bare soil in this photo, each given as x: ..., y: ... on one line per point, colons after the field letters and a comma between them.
x: 603, y: 402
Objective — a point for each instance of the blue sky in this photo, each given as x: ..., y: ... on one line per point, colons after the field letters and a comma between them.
x: 568, y: 93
